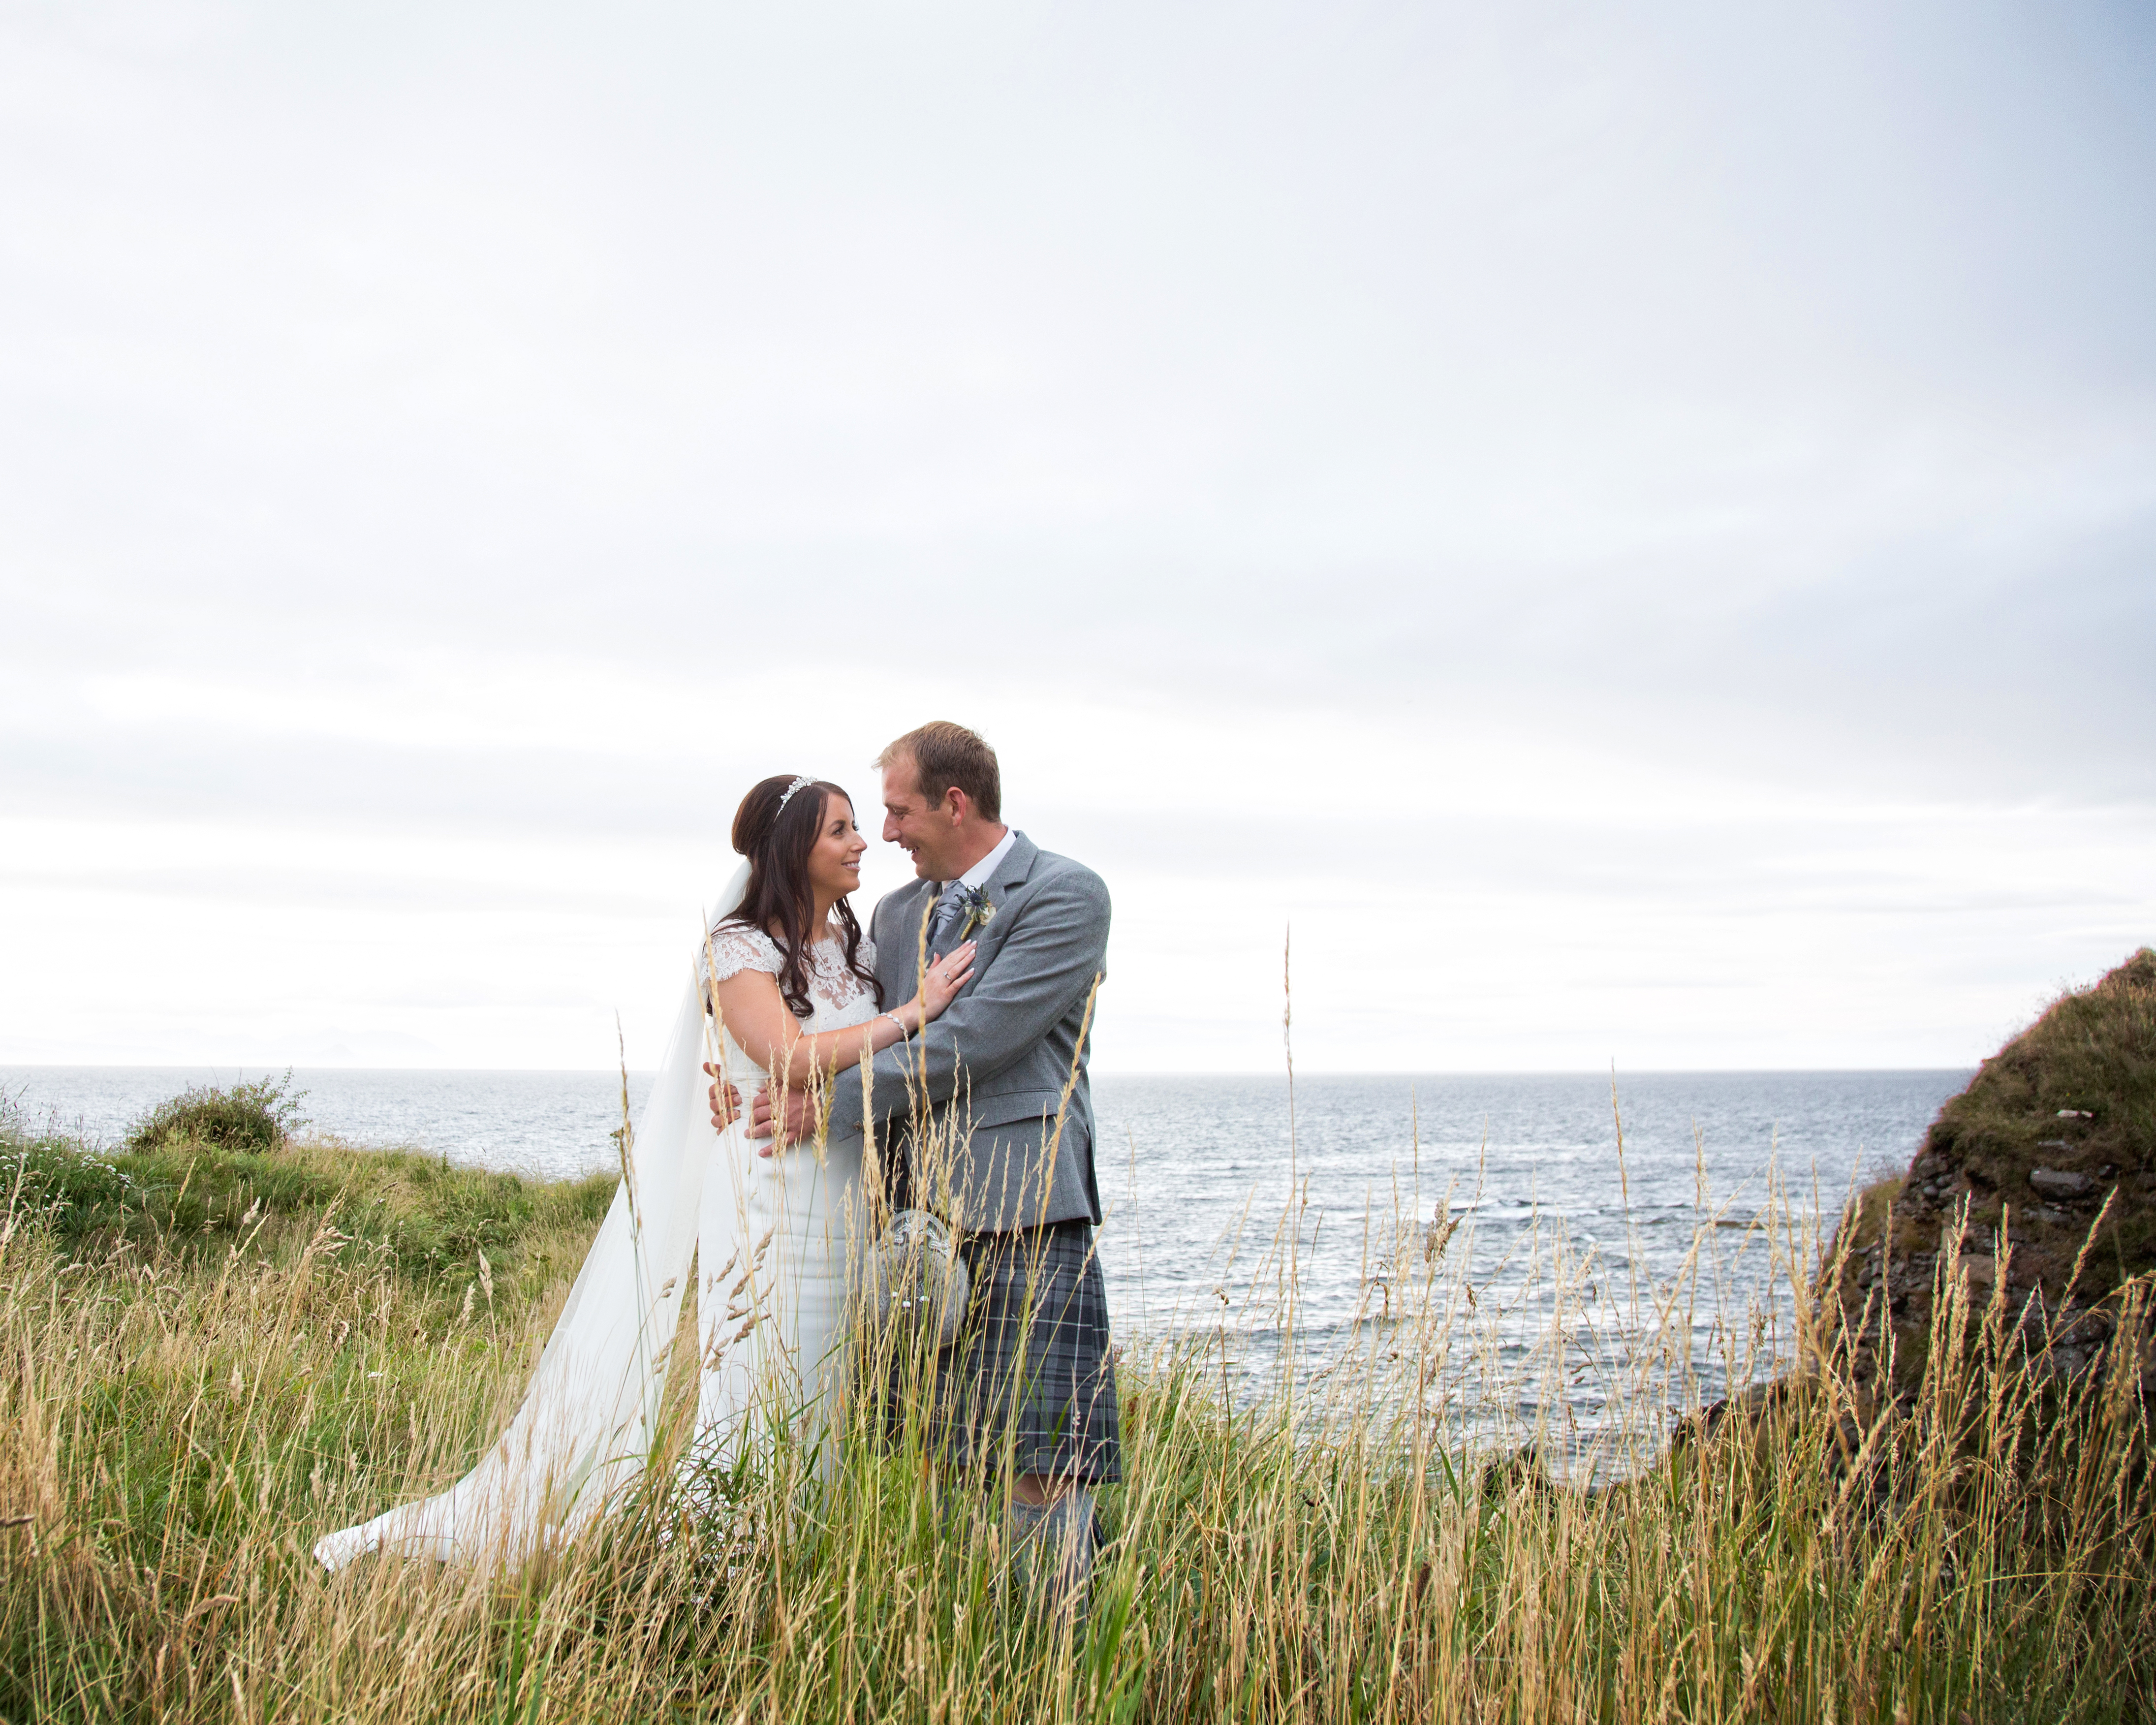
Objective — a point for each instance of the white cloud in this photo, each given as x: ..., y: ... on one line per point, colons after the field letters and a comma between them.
x: 1630, y: 530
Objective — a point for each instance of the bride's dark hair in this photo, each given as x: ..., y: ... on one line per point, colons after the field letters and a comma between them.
x: 779, y: 899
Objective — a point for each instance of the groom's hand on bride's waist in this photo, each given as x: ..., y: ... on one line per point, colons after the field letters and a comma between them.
x: 790, y: 1123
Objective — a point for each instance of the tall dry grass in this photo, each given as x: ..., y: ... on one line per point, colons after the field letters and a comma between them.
x: 186, y: 1405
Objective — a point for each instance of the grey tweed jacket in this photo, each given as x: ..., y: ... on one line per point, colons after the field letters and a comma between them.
x: 975, y: 1098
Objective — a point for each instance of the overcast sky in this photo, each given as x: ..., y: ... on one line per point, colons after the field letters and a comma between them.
x: 1630, y: 528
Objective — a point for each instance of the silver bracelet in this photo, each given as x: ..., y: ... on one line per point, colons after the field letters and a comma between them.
x: 904, y: 1034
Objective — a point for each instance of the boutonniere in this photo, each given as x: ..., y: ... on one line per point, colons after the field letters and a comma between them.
x: 977, y: 909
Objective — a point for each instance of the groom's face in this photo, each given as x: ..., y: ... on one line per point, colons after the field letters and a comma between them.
x: 927, y: 832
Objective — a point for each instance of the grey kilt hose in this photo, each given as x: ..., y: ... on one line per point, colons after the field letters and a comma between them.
x: 1029, y: 1368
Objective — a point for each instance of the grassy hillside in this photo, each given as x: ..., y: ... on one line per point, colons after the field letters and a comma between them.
x: 208, y: 1357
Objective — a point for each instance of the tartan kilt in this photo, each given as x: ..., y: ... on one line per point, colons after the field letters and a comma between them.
x: 1029, y: 1366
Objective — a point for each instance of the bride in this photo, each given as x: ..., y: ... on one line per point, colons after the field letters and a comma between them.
x: 783, y: 990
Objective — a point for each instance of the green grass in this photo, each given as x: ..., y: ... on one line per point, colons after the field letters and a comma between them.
x: 190, y: 1396
x: 191, y: 1200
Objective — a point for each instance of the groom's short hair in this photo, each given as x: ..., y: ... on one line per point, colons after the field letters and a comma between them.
x: 945, y: 754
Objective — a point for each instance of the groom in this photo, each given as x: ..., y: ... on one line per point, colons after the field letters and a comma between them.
x: 1003, y: 1074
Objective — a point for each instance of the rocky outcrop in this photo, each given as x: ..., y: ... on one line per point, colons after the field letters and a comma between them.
x: 2036, y: 1186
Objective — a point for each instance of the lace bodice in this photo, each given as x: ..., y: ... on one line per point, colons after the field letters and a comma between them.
x: 836, y: 995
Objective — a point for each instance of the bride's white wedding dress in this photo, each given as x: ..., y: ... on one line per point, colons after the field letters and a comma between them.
x: 773, y: 1320
x: 774, y: 1239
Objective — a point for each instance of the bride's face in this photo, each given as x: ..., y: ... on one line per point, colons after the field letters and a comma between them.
x: 834, y: 865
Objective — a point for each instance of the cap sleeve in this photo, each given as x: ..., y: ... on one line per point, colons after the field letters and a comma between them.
x: 735, y: 948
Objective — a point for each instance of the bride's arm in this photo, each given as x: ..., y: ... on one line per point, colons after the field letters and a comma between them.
x: 756, y: 1016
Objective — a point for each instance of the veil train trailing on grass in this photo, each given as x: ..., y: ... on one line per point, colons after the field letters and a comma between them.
x: 591, y: 1413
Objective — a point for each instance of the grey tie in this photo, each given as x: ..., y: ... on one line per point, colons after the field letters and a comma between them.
x: 943, y: 924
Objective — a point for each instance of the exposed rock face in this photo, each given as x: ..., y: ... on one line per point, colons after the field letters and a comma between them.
x: 2039, y: 1178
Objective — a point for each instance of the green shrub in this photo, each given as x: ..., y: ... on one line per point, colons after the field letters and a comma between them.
x: 259, y: 1115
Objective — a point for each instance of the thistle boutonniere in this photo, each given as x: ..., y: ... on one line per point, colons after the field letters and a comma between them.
x: 976, y: 910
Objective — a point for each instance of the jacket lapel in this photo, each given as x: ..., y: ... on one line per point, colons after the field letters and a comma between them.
x: 1011, y: 873
x: 895, y: 956
x: 1017, y: 865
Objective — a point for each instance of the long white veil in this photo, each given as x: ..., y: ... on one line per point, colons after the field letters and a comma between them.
x: 589, y: 1417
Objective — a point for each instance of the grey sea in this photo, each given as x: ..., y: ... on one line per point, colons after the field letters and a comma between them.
x: 1575, y: 1214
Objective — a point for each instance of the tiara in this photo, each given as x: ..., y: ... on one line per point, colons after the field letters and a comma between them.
x: 791, y: 790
